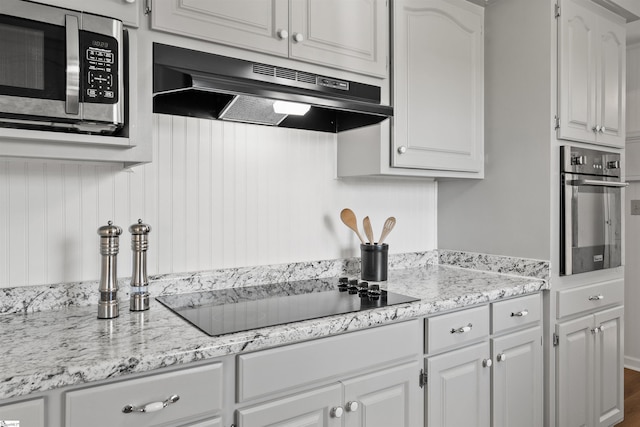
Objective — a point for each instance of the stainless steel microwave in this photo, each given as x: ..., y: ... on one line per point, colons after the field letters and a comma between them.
x: 60, y: 69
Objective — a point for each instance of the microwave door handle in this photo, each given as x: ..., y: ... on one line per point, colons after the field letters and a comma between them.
x: 596, y: 183
x: 72, y: 101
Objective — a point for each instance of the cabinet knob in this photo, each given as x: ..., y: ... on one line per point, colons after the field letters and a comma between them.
x: 487, y: 363
x: 603, y: 129
x: 352, y: 406
x: 283, y: 34
x: 402, y: 149
x: 501, y: 357
x: 596, y: 330
x: 337, y: 412
x: 596, y: 128
x: 298, y: 37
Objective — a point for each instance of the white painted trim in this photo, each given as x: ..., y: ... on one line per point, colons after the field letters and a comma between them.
x: 632, y: 363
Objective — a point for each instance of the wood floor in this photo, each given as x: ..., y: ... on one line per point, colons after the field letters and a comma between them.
x: 631, y: 399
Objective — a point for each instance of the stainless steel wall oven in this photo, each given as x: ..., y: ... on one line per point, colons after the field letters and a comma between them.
x: 591, y: 210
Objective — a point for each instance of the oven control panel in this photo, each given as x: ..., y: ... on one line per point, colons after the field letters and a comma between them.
x: 589, y: 162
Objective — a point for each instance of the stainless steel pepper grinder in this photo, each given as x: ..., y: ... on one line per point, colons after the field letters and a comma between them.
x: 109, y: 247
x: 139, y: 300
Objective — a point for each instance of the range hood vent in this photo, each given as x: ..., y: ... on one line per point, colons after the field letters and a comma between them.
x: 198, y: 84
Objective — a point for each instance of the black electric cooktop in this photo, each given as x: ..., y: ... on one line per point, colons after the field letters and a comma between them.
x: 239, y: 309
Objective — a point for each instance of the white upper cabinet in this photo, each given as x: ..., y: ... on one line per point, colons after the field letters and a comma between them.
x: 248, y: 24
x: 438, y: 85
x: 351, y: 35
x: 592, y: 73
x: 437, y: 129
x: 346, y: 34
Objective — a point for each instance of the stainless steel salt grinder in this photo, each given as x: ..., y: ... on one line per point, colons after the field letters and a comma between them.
x: 139, y: 283
x: 109, y: 247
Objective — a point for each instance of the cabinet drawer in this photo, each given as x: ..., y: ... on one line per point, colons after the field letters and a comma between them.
x: 457, y: 328
x: 591, y: 297
x: 199, y: 389
x: 516, y: 312
x: 29, y: 413
x: 283, y: 368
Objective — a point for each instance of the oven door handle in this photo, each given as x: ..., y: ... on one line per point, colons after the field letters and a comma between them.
x: 72, y: 101
x: 597, y: 183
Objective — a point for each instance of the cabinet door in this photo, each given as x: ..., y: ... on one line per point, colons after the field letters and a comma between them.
x: 574, y: 366
x: 351, y: 35
x: 391, y: 397
x: 517, y: 379
x: 577, y: 71
x: 458, y: 388
x: 249, y: 24
x: 611, y: 74
x: 29, y: 413
x: 310, y: 409
x: 438, y: 85
x: 609, y: 361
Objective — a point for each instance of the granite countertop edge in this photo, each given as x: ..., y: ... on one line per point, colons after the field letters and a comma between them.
x: 143, y: 342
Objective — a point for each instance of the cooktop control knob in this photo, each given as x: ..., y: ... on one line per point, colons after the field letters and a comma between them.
x: 374, y: 291
x: 613, y: 164
x: 353, y: 286
x: 363, y: 288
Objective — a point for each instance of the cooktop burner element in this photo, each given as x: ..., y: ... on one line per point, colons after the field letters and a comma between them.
x: 239, y: 309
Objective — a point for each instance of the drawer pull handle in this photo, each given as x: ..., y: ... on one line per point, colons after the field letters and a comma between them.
x: 520, y: 313
x: 462, y: 329
x: 151, y: 407
x: 596, y: 297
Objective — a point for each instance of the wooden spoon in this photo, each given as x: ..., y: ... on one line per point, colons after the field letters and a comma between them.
x: 349, y: 218
x: 368, y: 230
x: 386, y: 228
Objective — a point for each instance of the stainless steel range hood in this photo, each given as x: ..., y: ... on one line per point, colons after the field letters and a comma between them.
x: 198, y: 84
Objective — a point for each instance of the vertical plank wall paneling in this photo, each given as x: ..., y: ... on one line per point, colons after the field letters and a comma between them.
x: 216, y: 195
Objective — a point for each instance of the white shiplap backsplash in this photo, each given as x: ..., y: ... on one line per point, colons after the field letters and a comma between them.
x: 216, y: 195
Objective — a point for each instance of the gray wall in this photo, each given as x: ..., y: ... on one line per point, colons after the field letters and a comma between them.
x: 508, y: 213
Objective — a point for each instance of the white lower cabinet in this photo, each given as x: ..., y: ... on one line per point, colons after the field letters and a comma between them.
x: 178, y: 398
x: 486, y: 378
x: 310, y: 409
x: 517, y: 379
x: 30, y: 413
x: 362, y: 379
x: 590, y: 389
x: 458, y: 388
x: 379, y: 399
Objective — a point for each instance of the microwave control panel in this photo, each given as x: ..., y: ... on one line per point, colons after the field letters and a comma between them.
x: 99, y: 69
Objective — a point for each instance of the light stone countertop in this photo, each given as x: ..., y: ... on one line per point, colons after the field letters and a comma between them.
x: 56, y: 348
